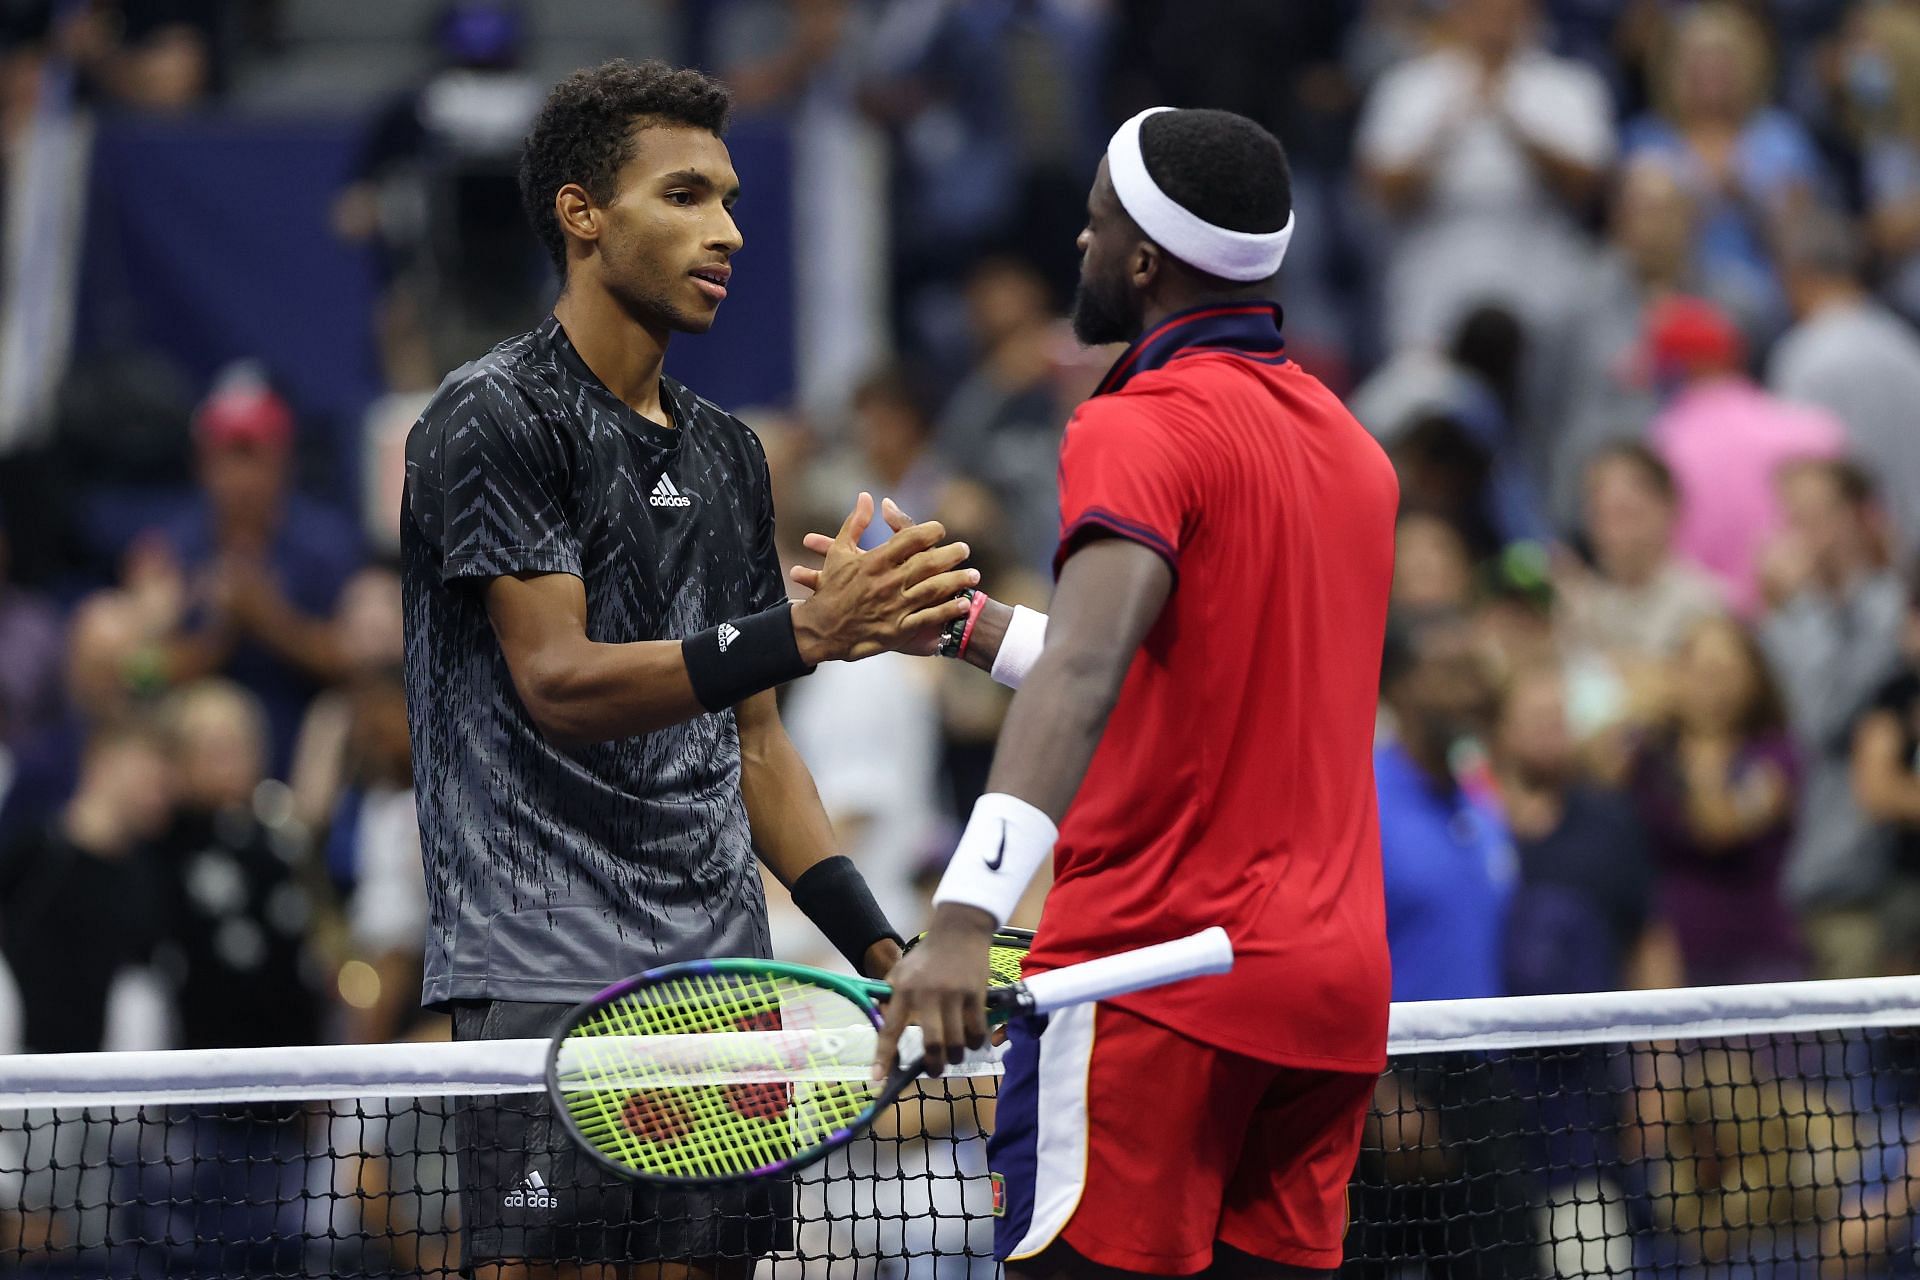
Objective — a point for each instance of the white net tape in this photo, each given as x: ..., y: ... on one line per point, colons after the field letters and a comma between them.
x: 330, y: 1072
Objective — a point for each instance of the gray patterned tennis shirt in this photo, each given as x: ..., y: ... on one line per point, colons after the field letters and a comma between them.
x: 552, y: 872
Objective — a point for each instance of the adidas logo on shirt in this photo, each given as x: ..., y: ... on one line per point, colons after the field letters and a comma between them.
x: 665, y: 495
x: 532, y: 1193
x: 728, y: 634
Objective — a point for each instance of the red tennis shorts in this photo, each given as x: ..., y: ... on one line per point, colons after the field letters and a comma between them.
x: 1141, y: 1147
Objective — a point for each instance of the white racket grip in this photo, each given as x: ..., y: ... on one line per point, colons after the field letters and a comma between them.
x: 1203, y: 953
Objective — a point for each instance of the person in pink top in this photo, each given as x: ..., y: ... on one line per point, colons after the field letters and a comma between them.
x: 1725, y: 436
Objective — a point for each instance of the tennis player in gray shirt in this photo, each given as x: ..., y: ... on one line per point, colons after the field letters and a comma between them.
x: 596, y: 622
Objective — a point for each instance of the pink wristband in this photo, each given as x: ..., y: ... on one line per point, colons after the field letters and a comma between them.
x: 978, y: 603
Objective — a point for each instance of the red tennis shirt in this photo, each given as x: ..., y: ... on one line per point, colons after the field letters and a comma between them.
x: 1234, y: 782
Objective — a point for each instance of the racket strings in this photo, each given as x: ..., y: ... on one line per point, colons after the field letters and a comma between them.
x: 633, y: 1101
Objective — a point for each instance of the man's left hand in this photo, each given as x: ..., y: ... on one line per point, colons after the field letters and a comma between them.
x: 941, y: 987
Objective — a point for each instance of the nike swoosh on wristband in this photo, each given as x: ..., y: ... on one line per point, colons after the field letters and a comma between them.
x: 1000, y: 854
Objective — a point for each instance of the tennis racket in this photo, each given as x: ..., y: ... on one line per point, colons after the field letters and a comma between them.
x: 717, y: 1071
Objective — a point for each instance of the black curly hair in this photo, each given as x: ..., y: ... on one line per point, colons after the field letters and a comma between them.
x: 584, y: 133
x: 1219, y: 165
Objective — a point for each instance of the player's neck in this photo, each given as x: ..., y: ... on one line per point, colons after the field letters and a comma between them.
x: 622, y: 352
x: 1175, y: 300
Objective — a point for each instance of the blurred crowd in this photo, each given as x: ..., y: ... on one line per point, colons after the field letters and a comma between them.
x: 1627, y: 289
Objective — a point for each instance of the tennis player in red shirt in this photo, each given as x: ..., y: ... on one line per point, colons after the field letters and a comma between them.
x: 1196, y: 713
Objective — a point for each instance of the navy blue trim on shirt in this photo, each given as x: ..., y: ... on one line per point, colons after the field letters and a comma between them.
x: 1120, y: 527
x: 1247, y: 329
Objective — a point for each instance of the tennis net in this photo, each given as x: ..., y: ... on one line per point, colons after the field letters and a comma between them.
x: 1765, y: 1130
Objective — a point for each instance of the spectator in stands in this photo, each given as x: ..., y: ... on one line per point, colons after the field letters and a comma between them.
x: 1439, y: 1181
x: 80, y: 898
x: 1582, y: 919
x: 1751, y: 167
x: 1447, y: 861
x: 1832, y: 632
x: 264, y: 563
x: 1485, y: 151
x: 110, y: 664
x: 1432, y: 564
x: 372, y: 641
x: 1851, y: 355
x: 893, y: 452
x: 352, y: 783
x: 1453, y: 420
x: 1582, y: 914
x: 146, y: 56
x: 1640, y: 599
x: 434, y: 194
x: 32, y: 638
x: 1444, y: 470
x: 374, y: 838
x: 996, y: 118
x: 1879, y: 87
x: 1724, y: 437
x: 236, y: 873
x: 1715, y: 790
x: 1005, y: 417
x: 1886, y: 782
x: 1604, y: 383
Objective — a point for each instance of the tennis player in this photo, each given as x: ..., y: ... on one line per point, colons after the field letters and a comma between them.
x: 1197, y: 716
x: 595, y: 626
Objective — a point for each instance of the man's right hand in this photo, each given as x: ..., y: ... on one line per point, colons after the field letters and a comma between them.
x: 896, y: 597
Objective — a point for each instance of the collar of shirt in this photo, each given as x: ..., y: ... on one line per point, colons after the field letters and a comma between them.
x: 1250, y: 329
x: 675, y: 399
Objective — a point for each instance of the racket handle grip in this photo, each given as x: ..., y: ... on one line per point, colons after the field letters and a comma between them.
x: 1116, y: 975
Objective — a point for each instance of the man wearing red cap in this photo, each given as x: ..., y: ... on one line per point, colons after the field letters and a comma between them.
x: 264, y: 564
x: 1725, y: 437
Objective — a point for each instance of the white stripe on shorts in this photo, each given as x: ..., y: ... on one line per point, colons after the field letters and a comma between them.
x: 1060, y: 1139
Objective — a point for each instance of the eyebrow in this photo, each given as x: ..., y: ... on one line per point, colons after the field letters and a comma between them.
x: 695, y: 178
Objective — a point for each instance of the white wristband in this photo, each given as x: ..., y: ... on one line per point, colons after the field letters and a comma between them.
x: 1020, y: 647
x: 1004, y: 844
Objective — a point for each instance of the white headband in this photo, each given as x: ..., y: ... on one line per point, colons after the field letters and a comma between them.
x: 1231, y: 255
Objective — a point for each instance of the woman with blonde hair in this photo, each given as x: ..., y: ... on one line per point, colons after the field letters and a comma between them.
x: 1750, y: 166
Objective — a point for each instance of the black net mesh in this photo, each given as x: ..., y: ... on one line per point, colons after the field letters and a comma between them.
x: 1765, y: 1156
x: 371, y: 1187
x: 1775, y: 1156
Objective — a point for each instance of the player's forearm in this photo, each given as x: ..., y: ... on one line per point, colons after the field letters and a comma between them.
x: 587, y: 693
x: 795, y: 840
x: 1055, y: 724
x: 1110, y: 592
x: 791, y: 830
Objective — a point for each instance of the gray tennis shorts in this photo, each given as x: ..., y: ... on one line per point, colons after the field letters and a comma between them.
x: 527, y: 1190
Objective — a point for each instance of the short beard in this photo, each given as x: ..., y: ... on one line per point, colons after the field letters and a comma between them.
x: 647, y: 301
x: 1104, y: 312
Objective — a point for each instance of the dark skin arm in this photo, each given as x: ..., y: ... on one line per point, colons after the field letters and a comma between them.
x: 1109, y: 595
x: 791, y: 831
x: 580, y: 691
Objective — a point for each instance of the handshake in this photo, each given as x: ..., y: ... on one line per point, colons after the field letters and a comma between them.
x: 900, y: 596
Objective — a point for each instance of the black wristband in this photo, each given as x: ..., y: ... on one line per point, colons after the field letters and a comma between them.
x: 735, y: 660
x: 834, y: 895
